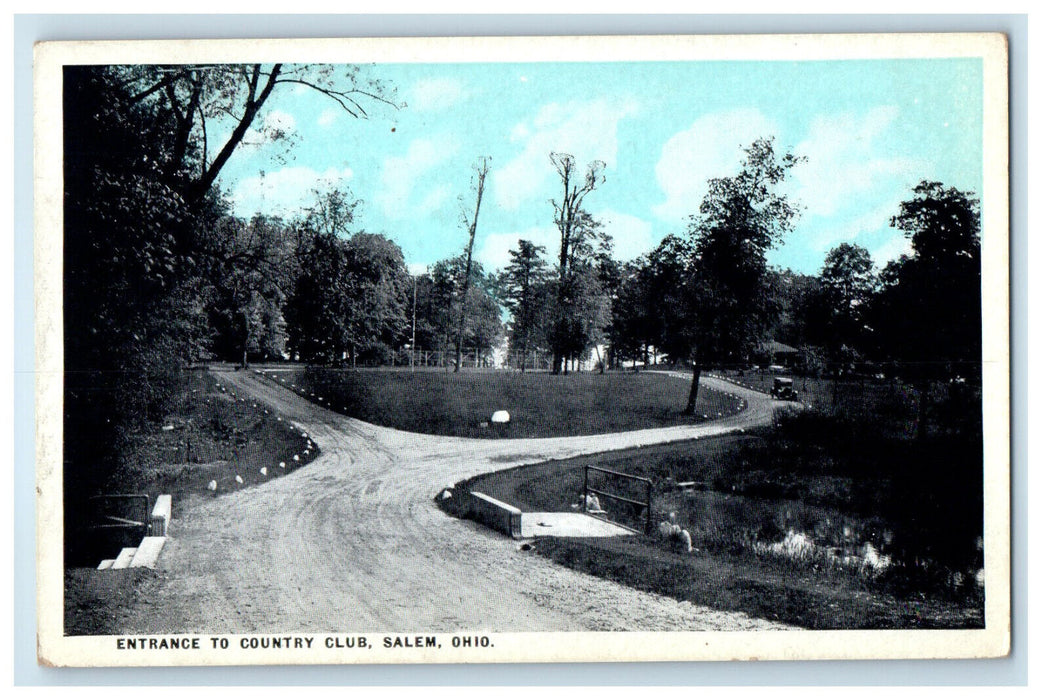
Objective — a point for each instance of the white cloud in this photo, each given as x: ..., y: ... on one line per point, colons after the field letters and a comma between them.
x: 712, y: 147
x: 631, y: 236
x: 890, y: 250
x: 434, y: 199
x: 874, y: 220
x: 398, y: 194
x: 275, y: 124
x: 284, y: 192
x: 845, y: 161
x: 587, y: 130
x: 327, y: 117
x: 435, y: 94
x: 494, y: 250
x: 853, y: 181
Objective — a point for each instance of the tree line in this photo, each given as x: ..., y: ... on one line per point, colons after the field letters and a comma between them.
x: 708, y: 298
x: 159, y: 273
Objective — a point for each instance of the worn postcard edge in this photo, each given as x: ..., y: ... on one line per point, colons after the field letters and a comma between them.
x: 55, y: 649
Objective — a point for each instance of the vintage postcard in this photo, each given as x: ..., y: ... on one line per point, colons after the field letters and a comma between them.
x: 522, y: 349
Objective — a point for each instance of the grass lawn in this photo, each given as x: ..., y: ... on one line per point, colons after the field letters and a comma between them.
x: 213, y: 434
x: 209, y: 435
x: 539, y: 404
x: 803, y: 547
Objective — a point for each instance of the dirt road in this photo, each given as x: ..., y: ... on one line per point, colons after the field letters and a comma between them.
x: 352, y: 542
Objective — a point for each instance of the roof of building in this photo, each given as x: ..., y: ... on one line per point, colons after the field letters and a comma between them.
x: 774, y: 346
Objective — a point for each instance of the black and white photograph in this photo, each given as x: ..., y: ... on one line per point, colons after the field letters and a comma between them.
x: 522, y: 349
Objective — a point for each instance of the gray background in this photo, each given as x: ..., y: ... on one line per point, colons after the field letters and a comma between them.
x: 32, y: 28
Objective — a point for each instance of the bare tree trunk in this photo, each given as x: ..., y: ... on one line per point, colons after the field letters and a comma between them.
x: 247, y: 339
x: 482, y: 173
x: 693, y: 391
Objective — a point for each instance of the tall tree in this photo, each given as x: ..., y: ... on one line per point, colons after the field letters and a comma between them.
x: 573, y: 230
x: 439, y: 303
x: 524, y: 288
x: 846, y: 284
x: 927, y: 313
x: 579, y: 320
x: 251, y: 268
x: 740, y: 219
x: 481, y: 172
x: 133, y: 296
x: 929, y: 302
x: 379, y: 295
x: 350, y: 299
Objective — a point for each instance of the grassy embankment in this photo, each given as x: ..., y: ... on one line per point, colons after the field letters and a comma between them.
x: 823, y: 520
x: 540, y: 404
x: 211, y: 433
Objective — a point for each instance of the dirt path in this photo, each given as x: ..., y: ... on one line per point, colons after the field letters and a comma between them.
x: 352, y: 542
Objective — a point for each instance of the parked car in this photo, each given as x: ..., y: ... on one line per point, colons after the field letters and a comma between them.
x: 783, y: 388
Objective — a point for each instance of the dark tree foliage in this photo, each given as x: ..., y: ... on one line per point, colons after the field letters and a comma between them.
x: 927, y: 312
x: 794, y: 295
x: 350, y: 300
x: 525, y: 289
x: 585, y: 284
x: 926, y: 315
x: 317, y: 311
x: 628, y: 333
x: 838, y: 308
x: 739, y: 220
x: 438, y: 299
x: 251, y: 267
x: 435, y: 307
x: 651, y: 309
x: 380, y: 292
x: 670, y: 298
x: 133, y: 298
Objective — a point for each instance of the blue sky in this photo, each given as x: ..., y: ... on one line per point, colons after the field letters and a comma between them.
x: 871, y: 130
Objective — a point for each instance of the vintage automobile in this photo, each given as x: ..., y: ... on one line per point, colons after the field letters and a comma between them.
x: 783, y: 388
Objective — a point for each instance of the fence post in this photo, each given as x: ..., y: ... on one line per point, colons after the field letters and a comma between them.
x: 586, y: 485
x: 648, y: 511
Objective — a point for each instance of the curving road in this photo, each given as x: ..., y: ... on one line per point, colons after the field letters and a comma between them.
x: 353, y: 542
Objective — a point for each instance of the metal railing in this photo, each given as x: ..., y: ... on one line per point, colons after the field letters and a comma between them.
x: 639, y: 505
